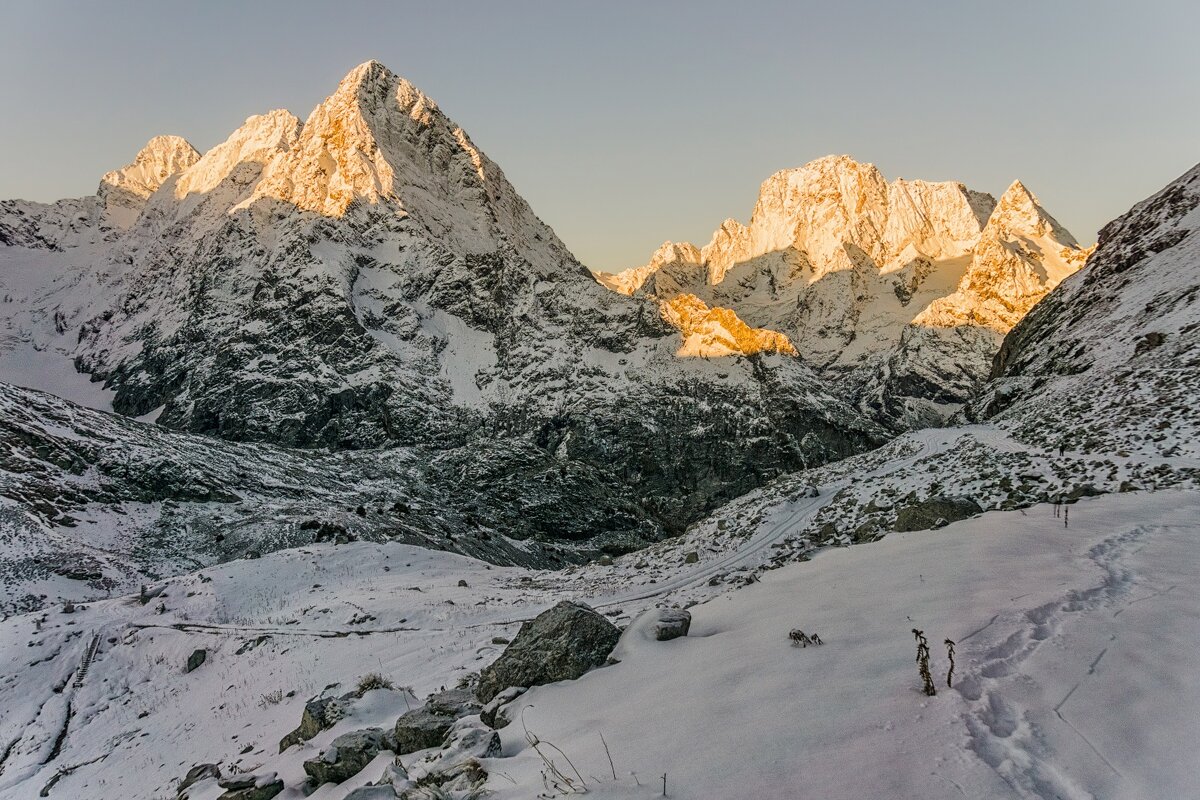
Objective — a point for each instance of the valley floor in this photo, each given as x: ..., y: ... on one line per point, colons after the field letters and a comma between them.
x: 1076, y: 640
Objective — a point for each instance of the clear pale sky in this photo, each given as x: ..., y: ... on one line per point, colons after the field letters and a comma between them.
x: 627, y: 123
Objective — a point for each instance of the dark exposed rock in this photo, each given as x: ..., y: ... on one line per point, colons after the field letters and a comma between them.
x: 195, y: 660
x: 250, y: 787
x: 935, y: 512
x: 320, y: 713
x: 427, y: 726
x: 672, y: 623
x: 347, y: 756
x: 1148, y: 342
x: 559, y: 644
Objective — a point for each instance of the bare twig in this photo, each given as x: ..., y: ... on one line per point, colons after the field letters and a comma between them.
x: 607, y: 753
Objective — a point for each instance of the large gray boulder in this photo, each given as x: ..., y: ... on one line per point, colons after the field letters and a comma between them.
x: 347, y: 756
x: 560, y: 644
x: 935, y: 512
x: 320, y: 713
x: 428, y: 725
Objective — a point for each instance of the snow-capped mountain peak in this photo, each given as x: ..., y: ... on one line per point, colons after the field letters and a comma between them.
x: 260, y: 138
x: 124, y: 191
x: 854, y: 270
x: 380, y: 140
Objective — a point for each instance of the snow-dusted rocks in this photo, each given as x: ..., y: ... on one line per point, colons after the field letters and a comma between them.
x: 934, y: 512
x: 347, y: 756
x: 899, y: 292
x: 559, y: 644
x: 672, y: 623
x: 427, y: 726
x: 254, y: 786
x: 320, y: 713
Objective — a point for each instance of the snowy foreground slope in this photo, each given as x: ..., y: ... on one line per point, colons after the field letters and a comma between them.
x: 1071, y: 679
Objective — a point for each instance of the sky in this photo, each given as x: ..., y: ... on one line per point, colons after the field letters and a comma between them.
x: 625, y: 124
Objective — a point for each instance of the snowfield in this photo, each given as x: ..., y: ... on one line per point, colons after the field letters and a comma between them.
x: 1074, y: 638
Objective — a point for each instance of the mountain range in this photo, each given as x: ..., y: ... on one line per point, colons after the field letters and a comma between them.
x: 328, y: 405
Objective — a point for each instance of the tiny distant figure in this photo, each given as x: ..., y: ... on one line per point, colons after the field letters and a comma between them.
x: 1061, y: 451
x: 1066, y: 516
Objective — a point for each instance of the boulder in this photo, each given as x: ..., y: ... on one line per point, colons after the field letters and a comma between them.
x: 672, y: 623
x: 428, y: 725
x: 935, y: 512
x: 691, y: 558
x: 559, y: 644
x: 347, y: 756
x: 320, y: 713
x: 261, y: 786
x: 492, y: 715
x: 200, y: 772
x: 194, y: 661
x: 373, y: 791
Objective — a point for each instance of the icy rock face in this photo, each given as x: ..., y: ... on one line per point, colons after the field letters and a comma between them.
x: 1120, y: 336
x: 1022, y: 254
x: 370, y: 278
x: 899, y: 291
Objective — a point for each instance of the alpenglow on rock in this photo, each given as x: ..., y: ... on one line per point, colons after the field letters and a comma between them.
x: 369, y: 278
x: 900, y: 292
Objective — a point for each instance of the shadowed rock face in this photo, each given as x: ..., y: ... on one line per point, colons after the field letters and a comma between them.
x: 558, y: 645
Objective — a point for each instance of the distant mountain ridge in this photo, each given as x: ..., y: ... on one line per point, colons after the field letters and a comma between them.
x: 901, y: 291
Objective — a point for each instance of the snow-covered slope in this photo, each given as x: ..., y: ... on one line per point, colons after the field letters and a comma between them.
x: 93, y: 504
x: 1053, y: 617
x: 1108, y: 362
x: 907, y: 286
